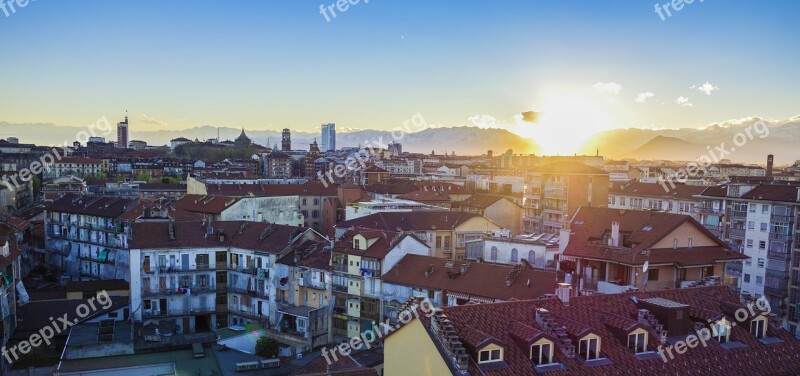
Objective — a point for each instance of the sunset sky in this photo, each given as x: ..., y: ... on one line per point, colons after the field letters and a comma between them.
x: 269, y: 65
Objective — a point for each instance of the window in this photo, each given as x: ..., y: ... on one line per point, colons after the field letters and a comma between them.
x: 758, y: 327
x: 752, y: 208
x: 447, y: 242
x: 316, y: 201
x: 751, y: 225
x: 652, y: 275
x: 762, y: 244
x: 763, y: 227
x: 721, y: 330
x: 749, y: 243
x: 514, y: 255
x: 747, y: 278
x: 761, y: 263
x: 357, y: 243
x: 764, y: 208
x: 689, y: 244
x: 637, y: 342
x: 488, y: 356
x: 542, y: 353
x: 315, y: 214
x: 493, y: 255
x: 589, y: 348
x: 304, y: 202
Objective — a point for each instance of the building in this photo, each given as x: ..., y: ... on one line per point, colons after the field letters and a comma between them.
x: 540, y: 250
x: 614, y: 250
x: 87, y: 237
x: 242, y: 140
x: 498, y: 209
x: 361, y: 208
x: 328, y: 137
x: 395, y: 148
x: 281, y: 210
x: 448, y: 283
x: 78, y: 166
x: 137, y: 145
x: 202, y: 276
x: 556, y: 190
x: 175, y: 142
x: 286, y: 140
x: 278, y: 165
x: 432, y: 198
x: 360, y: 257
x: 653, y: 333
x: 444, y: 232
x: 680, y: 199
x: 122, y: 134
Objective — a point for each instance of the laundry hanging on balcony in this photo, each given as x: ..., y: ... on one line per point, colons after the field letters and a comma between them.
x: 366, y: 272
x: 103, y: 255
x: 22, y: 293
x: 184, y: 291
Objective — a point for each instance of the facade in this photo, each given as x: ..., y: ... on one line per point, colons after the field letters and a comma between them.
x: 202, y: 276
x: 556, y: 190
x: 175, y: 142
x: 614, y: 251
x: 122, y: 134
x: 87, y: 237
x: 78, y: 166
x: 444, y: 232
x: 540, y: 251
x: 359, y: 259
x: 328, y: 137
x: 281, y: 210
x: 498, y: 209
x: 680, y: 199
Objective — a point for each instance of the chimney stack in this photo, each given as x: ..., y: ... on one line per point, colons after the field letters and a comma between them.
x: 770, y: 159
x: 615, y: 234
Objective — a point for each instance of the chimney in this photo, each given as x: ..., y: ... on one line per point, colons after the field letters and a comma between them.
x: 615, y: 234
x: 563, y: 292
x: 770, y: 159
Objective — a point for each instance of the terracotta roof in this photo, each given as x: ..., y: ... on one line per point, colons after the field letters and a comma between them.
x: 408, y: 221
x: 715, y: 191
x: 425, y: 196
x: 680, y: 191
x: 569, y: 168
x: 101, y: 206
x: 641, y: 230
x: 78, y: 160
x: 608, y: 316
x: 481, y: 279
x: 449, y: 188
x: 258, y: 236
x: 391, y: 187
x: 769, y: 192
x: 205, y: 203
x: 384, y: 240
x: 482, y: 201
x: 311, y: 188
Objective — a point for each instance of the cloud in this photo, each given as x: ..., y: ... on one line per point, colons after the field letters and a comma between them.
x: 642, y: 97
x: 684, y: 102
x: 530, y: 116
x: 483, y: 121
x: 148, y: 120
x: 611, y: 88
x: 705, y: 88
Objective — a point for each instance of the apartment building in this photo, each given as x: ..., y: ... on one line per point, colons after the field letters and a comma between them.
x: 360, y: 257
x: 87, y: 236
x: 78, y: 166
x: 496, y: 208
x: 761, y: 221
x: 444, y: 232
x: 681, y: 199
x: 11, y: 289
x: 202, y: 276
x: 539, y: 250
x: 556, y: 190
x: 633, y: 333
x: 282, y: 210
x: 616, y: 250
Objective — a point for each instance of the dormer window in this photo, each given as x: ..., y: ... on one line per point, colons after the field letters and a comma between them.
x: 758, y: 327
x: 637, y: 341
x: 721, y: 329
x: 490, y: 355
x: 356, y: 243
x: 589, y: 347
x: 542, y: 352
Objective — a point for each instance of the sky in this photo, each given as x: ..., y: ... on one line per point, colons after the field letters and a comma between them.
x: 273, y: 64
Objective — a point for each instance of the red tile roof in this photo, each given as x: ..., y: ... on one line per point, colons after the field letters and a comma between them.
x: 257, y: 236
x: 101, y: 206
x: 425, y: 196
x: 481, y: 279
x: 641, y: 231
x: 311, y: 188
x: 769, y: 192
x: 680, y: 191
x: 482, y: 201
x: 205, y: 203
x: 608, y: 316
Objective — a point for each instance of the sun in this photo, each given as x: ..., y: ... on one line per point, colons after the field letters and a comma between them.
x: 566, y: 122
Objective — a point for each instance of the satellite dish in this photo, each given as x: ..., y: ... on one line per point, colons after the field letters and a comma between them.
x: 645, y: 266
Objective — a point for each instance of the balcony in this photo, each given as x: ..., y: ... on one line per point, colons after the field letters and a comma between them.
x: 192, y: 290
x: 782, y: 218
x: 736, y: 233
x: 248, y: 312
x: 252, y: 270
x: 339, y: 288
x: 340, y: 268
x: 709, y: 210
x: 779, y: 255
x: 741, y: 214
x: 178, y: 270
x: 552, y: 224
x: 785, y: 238
x: 772, y: 291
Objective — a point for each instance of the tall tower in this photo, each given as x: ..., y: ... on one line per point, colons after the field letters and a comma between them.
x: 328, y: 137
x: 122, y: 134
x: 286, y: 140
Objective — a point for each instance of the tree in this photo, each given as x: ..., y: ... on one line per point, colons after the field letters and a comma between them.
x: 144, y: 176
x: 267, y: 347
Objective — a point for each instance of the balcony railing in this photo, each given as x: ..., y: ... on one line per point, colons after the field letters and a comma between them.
x: 340, y: 268
x: 243, y: 269
x: 339, y: 288
x: 780, y: 237
x: 738, y: 213
x: 779, y: 255
x: 192, y: 290
x: 736, y: 233
x: 708, y: 210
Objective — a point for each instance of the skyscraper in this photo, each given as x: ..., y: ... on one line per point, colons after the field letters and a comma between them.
x: 122, y: 134
x: 286, y: 140
x: 328, y: 137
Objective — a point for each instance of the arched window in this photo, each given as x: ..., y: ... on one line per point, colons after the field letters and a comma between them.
x: 514, y: 255
x: 493, y: 256
x: 532, y: 256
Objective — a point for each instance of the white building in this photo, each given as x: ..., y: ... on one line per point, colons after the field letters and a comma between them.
x: 328, y: 137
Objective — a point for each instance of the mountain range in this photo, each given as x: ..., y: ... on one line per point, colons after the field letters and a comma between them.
x: 779, y: 137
